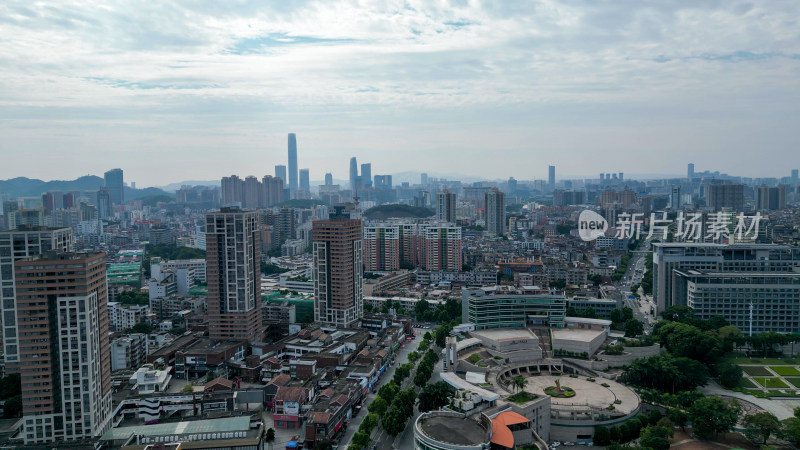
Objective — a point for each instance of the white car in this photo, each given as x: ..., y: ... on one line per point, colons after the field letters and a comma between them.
x: 555, y: 444
x: 569, y: 444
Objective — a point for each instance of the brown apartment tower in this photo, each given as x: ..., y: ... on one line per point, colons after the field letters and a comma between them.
x: 338, y: 270
x: 233, y: 256
x: 65, y: 364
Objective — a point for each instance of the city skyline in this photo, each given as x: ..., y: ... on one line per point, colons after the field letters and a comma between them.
x: 577, y: 86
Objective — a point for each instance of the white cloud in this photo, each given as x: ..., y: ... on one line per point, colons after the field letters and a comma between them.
x: 113, y: 84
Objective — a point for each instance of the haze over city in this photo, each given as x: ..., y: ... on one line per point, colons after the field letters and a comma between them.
x: 179, y: 91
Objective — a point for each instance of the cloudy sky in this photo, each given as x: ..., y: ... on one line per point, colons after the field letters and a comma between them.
x: 183, y: 90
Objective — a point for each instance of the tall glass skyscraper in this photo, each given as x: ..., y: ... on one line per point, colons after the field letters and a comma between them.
x: 292, y: 162
x: 353, y: 172
x: 304, y: 183
x: 280, y: 172
x: 115, y: 185
x: 366, y: 174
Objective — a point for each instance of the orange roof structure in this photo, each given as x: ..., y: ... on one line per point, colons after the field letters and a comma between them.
x: 501, y: 434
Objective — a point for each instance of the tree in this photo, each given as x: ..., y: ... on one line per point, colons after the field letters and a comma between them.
x: 666, y: 373
x: 434, y: 396
x: 210, y: 375
x: 616, y: 315
x: 144, y: 328
x: 729, y: 374
x: 654, y: 417
x: 519, y: 383
x: 633, y: 328
x: 427, y: 336
x: 655, y: 443
x: 689, y: 341
x: 187, y: 389
x: 677, y: 417
x: 759, y: 427
x: 614, y: 434
x: 414, y: 356
x: 394, y: 421
x: 360, y: 440
x: 10, y: 386
x: 790, y: 430
x: 711, y: 415
x: 12, y: 407
x: 405, y: 401
x: 270, y: 437
x: 369, y: 423
x: 601, y: 436
x: 378, y: 406
x: 388, y: 392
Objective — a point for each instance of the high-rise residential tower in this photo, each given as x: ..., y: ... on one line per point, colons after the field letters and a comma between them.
x: 338, y: 270
x: 65, y: 360
x: 690, y: 171
x: 495, y: 211
x: 366, y: 175
x: 795, y: 179
x: 725, y: 195
x: 446, y: 206
x: 292, y: 162
x: 280, y: 172
x: 233, y: 259
x: 551, y: 177
x: 353, y: 172
x: 116, y: 186
x: 770, y: 198
x: 17, y: 244
x: 305, y: 185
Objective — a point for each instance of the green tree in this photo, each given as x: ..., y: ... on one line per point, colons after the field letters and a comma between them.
x: 616, y: 315
x: 378, y: 406
x: 360, y: 440
x: 414, y: 356
x: 144, y: 328
x: 12, y: 407
x: 689, y: 341
x: 10, y: 386
x: 394, y: 421
x: 187, y: 389
x: 633, y: 328
x: 270, y: 437
x: 759, y: 427
x: 427, y: 336
x: 711, y: 415
x: 666, y: 373
x: 434, y: 396
x: 790, y: 431
x: 518, y: 383
x: 369, y: 423
x: 655, y: 443
x: 729, y: 374
x: 654, y: 416
x: 602, y: 437
x: 678, y: 417
x: 388, y: 392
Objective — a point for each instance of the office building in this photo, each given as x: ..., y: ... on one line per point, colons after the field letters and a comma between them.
x: 423, y: 179
x: 305, y: 185
x: 280, y: 172
x: 725, y: 195
x: 495, y: 202
x: 15, y: 245
x: 446, y: 206
x: 795, y: 179
x: 64, y: 346
x: 233, y: 256
x: 338, y: 270
x: 366, y: 175
x: 551, y: 177
x: 720, y: 264
x: 486, y: 308
x: 116, y: 186
x: 328, y: 179
x: 353, y: 172
x: 383, y: 181
x: 690, y: 172
x: 675, y: 197
x: 292, y: 162
x: 104, y: 210
x: 770, y: 198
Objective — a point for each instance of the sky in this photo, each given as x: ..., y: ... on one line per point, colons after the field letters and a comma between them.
x: 197, y: 90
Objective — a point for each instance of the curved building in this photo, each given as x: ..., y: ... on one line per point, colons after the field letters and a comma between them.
x: 446, y: 430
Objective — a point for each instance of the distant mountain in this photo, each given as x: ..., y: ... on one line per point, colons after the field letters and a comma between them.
x: 28, y: 187
x: 172, y: 187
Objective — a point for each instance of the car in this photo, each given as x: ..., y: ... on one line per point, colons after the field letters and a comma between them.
x: 555, y: 444
x: 569, y: 444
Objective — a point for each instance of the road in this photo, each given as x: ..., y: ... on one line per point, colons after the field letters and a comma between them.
x: 405, y: 440
x: 633, y: 276
x: 401, y: 357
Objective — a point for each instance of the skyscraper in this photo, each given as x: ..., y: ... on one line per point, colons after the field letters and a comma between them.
x: 366, y: 175
x: 690, y: 171
x: 551, y: 177
x: 794, y: 176
x: 675, y: 197
x: 15, y: 245
x: 104, y: 203
x: 328, y: 179
x: 116, y: 186
x: 233, y: 258
x: 725, y: 195
x: 305, y: 185
x: 446, y: 206
x: 280, y: 172
x: 423, y: 179
x: 338, y: 269
x: 770, y: 198
x: 65, y: 360
x: 353, y: 172
x: 292, y: 162
x: 495, y: 201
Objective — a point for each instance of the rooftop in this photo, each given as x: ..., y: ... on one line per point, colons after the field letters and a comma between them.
x: 453, y: 430
x: 180, y: 428
x: 505, y: 334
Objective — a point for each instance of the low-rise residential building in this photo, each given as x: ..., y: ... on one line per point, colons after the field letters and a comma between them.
x: 128, y: 352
